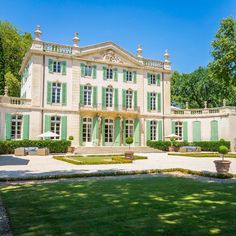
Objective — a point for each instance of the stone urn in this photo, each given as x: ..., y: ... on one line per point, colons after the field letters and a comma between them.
x: 129, y: 155
x: 222, y: 166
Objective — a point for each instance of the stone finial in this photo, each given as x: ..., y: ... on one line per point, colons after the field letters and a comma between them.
x: 224, y: 102
x: 166, y: 56
x: 76, y: 40
x: 6, y: 91
x: 37, y: 33
x: 139, y: 51
x: 205, y: 104
x: 186, y: 105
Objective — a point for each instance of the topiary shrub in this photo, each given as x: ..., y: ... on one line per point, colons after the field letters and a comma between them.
x: 223, y: 150
x: 129, y: 140
x: 70, y: 138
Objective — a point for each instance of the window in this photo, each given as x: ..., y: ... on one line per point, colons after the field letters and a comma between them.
x: 179, y: 130
x: 87, y: 130
x: 109, y: 131
x: 16, y: 127
x: 109, y: 96
x: 129, y: 128
x: 109, y: 73
x: 87, y: 95
x: 56, y: 126
x: 153, y: 99
x: 56, y: 92
x: 153, y: 130
x: 153, y: 78
x: 88, y: 70
x: 129, y: 76
x: 129, y: 98
x: 57, y: 66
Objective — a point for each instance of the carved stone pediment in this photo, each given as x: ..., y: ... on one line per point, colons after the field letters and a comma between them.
x: 111, y: 56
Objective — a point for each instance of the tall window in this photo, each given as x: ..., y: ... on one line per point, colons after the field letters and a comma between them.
x: 56, y: 92
x: 109, y: 131
x: 16, y: 126
x: 56, y: 126
x: 88, y: 70
x: 109, y: 96
x: 57, y: 66
x: 129, y: 128
x: 87, y: 95
x: 153, y: 100
x: 153, y: 130
x: 129, y: 98
x: 109, y: 73
x: 87, y: 130
x: 153, y: 79
x: 129, y: 76
x: 179, y: 129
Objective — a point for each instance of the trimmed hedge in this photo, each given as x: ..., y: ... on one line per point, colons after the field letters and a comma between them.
x: 54, y: 146
x: 211, y: 146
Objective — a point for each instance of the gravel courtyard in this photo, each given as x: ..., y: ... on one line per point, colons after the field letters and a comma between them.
x: 11, y: 166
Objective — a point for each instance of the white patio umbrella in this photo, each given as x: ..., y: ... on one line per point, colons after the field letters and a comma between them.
x: 48, y: 134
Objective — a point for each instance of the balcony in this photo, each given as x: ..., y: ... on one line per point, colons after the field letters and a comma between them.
x: 14, y: 101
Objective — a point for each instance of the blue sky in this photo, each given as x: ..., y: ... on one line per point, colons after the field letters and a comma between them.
x: 185, y: 27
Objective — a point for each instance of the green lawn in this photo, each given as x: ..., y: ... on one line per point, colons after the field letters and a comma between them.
x: 96, y: 160
x: 202, y: 154
x: 133, y: 206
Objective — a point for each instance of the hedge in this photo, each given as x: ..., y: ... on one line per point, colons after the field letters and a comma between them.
x: 211, y: 146
x: 54, y: 146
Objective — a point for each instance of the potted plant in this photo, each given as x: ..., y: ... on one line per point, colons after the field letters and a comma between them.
x: 129, y: 154
x: 172, y: 144
x: 71, y: 149
x: 222, y: 166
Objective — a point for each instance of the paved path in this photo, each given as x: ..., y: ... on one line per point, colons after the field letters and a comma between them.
x: 11, y: 166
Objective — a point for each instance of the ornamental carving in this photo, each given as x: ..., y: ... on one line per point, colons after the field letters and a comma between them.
x: 111, y: 56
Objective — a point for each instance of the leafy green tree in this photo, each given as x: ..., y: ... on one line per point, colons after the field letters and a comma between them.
x: 13, y: 84
x: 223, y: 67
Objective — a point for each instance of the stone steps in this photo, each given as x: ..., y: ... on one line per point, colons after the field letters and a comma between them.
x: 113, y: 150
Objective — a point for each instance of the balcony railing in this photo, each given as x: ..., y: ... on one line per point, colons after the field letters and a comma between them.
x: 15, y: 101
x: 59, y: 48
x: 101, y: 107
x: 153, y: 63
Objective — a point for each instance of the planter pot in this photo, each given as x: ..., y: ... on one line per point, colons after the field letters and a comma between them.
x: 222, y: 167
x: 171, y: 149
x: 129, y: 155
x: 71, y: 149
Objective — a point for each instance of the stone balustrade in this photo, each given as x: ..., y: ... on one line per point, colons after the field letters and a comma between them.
x: 59, y: 48
x: 14, y: 101
x: 153, y: 63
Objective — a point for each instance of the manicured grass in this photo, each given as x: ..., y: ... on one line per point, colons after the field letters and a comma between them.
x: 140, y: 206
x: 202, y: 154
x: 96, y: 160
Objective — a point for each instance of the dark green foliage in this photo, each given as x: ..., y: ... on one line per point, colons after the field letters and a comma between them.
x: 129, y: 140
x: 71, y: 138
x: 60, y: 146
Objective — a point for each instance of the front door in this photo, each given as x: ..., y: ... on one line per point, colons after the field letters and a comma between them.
x: 109, y: 132
x: 87, y: 131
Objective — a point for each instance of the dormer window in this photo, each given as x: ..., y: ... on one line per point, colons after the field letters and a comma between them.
x: 57, y: 66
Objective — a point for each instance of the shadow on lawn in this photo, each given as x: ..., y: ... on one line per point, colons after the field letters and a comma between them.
x: 149, y: 206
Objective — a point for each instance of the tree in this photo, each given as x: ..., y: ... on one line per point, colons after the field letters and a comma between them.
x: 12, y: 84
x: 223, y: 67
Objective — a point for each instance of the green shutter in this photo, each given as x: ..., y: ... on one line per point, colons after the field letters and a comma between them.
x: 8, y: 126
x: 103, y: 98
x: 116, y: 99
x: 124, y: 132
x: 95, y: 130
x: 82, y: 69
x: 159, y: 102
x: 81, y: 131
x: 148, y: 126
x: 64, y: 94
x: 149, y: 78
x: 63, y: 127
x: 63, y: 67
x: 135, y: 100
x: 148, y: 102
x: 49, y: 92
x: 103, y: 131
x: 136, y: 132
x: 26, y: 127
x: 158, y: 79
x: 81, y: 95
x: 47, y: 123
x: 196, y: 131
x: 123, y: 98
x: 173, y: 127
x: 94, y: 71
x: 116, y: 74
x: 214, y: 130
x: 95, y: 95
x: 50, y: 65
x: 117, y: 131
x: 134, y: 74
x: 185, y: 129
x: 104, y: 73
x: 124, y: 75
x: 159, y: 130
